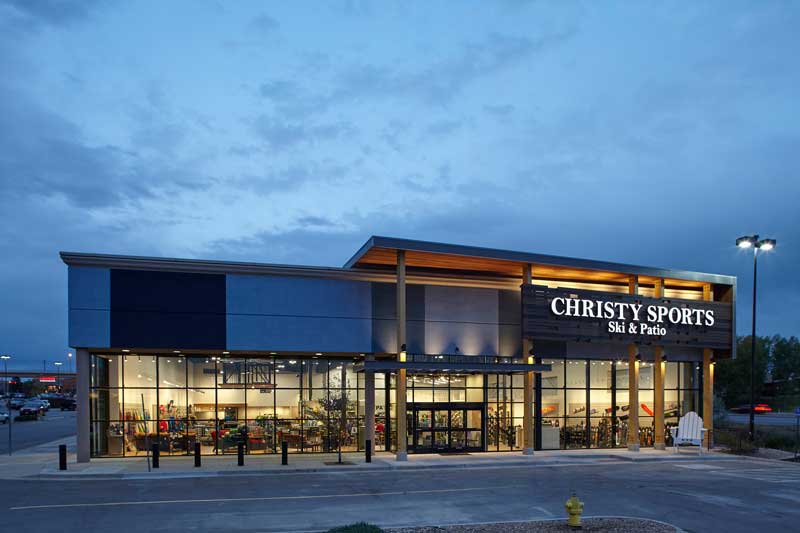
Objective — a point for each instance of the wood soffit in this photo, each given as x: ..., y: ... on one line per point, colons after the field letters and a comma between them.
x: 422, y: 261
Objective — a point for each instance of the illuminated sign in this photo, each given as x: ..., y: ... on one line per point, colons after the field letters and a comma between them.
x: 47, y: 379
x: 632, y: 318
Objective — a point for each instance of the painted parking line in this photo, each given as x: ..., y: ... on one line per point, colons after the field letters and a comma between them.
x: 258, y: 499
x: 767, y: 475
x: 699, y: 466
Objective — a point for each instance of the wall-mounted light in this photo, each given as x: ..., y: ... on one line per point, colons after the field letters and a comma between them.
x: 402, y: 355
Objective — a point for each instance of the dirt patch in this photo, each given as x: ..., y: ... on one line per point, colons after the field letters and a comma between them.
x: 616, y: 525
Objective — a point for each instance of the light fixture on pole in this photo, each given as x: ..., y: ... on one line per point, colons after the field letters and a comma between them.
x: 5, y: 359
x: 58, y: 378
x: 753, y: 241
x: 69, y: 358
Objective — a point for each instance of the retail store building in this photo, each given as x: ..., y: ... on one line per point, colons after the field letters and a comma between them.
x: 477, y: 350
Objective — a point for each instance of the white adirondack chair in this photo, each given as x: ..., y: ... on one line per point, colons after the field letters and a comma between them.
x: 690, y: 431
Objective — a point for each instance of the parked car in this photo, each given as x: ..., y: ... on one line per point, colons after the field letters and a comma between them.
x: 759, y: 408
x: 4, y: 416
x: 45, y: 403
x: 69, y: 405
x: 16, y: 402
x: 32, y: 408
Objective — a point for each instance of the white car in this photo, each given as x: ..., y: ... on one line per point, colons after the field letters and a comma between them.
x: 3, y: 417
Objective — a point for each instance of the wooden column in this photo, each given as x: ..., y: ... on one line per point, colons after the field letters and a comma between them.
x: 633, y: 382
x: 659, y: 366
x: 708, y: 380
x: 400, y: 388
x: 527, y: 412
x: 369, y: 405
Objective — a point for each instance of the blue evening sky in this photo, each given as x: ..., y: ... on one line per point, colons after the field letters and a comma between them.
x: 648, y: 133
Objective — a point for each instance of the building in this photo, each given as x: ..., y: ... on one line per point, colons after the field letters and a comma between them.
x: 476, y: 349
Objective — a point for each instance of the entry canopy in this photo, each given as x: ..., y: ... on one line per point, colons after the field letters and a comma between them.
x: 453, y: 364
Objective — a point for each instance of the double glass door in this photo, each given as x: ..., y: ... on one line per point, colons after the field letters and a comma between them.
x: 445, y: 427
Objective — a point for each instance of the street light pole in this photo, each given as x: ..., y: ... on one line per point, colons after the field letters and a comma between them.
x: 753, y: 351
x: 765, y: 245
x: 5, y: 359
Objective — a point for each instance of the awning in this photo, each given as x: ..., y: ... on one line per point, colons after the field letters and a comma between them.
x: 453, y: 364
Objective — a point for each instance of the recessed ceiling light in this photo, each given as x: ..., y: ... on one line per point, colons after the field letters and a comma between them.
x: 318, y: 353
x: 225, y: 353
x: 273, y: 353
x: 125, y: 351
x: 176, y: 351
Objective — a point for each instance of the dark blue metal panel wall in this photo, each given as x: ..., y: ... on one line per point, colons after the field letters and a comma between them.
x: 167, y: 310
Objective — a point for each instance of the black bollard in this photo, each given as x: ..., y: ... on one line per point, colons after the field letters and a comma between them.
x: 284, y: 453
x: 240, y: 453
x: 156, y: 453
x: 62, y: 456
x: 369, y: 450
x: 196, y: 454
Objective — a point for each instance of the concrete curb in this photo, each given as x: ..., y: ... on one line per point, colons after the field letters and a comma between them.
x: 375, y: 467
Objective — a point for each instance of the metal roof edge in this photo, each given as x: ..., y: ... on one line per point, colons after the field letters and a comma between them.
x: 527, y: 257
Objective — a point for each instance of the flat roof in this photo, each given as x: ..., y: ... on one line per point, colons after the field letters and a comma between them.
x: 377, y: 257
x: 381, y: 252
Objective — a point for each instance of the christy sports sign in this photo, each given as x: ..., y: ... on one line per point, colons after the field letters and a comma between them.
x: 632, y: 318
x: 579, y: 315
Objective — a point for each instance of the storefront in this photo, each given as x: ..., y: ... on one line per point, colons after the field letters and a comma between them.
x: 481, y: 350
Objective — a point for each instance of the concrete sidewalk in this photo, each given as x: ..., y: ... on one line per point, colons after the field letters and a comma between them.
x: 42, y: 462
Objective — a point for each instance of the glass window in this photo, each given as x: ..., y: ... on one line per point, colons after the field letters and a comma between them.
x: 231, y: 373
x: 646, y: 405
x: 621, y: 373
x: 140, y: 371
x: 671, y: 375
x: 555, y: 377
x: 600, y: 402
x: 576, y: 402
x: 171, y: 372
x: 576, y: 374
x: 689, y: 375
x: 552, y: 402
x: 600, y: 374
x: 105, y: 404
x: 646, y: 375
x: 260, y: 374
x: 106, y: 371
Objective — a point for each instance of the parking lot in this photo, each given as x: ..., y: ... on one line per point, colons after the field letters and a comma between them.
x: 729, y: 494
x: 54, y: 425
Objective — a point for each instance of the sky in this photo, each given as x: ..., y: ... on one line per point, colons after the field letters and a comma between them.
x: 643, y: 133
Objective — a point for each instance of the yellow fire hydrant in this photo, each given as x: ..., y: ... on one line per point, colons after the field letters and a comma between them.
x: 574, y: 509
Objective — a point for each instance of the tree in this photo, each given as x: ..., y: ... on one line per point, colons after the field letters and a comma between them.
x: 732, y: 376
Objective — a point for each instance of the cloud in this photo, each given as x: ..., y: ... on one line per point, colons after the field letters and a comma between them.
x: 32, y: 14
x: 438, y: 83
x: 443, y: 128
x: 264, y: 24
x: 499, y: 111
x: 44, y: 155
x: 280, y: 134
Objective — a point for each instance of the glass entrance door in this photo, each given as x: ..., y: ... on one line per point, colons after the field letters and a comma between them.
x: 446, y: 427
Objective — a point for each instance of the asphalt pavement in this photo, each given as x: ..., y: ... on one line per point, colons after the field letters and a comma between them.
x: 737, y: 495
x: 54, y: 425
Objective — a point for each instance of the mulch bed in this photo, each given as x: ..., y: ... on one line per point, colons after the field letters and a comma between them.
x: 616, y: 525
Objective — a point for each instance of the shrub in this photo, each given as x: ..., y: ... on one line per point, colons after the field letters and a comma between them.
x: 361, y: 527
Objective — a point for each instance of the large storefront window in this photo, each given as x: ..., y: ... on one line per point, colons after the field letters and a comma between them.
x: 314, y: 405
x: 175, y: 401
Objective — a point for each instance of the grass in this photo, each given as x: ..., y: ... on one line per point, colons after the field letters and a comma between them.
x: 735, y: 437
x: 360, y: 527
